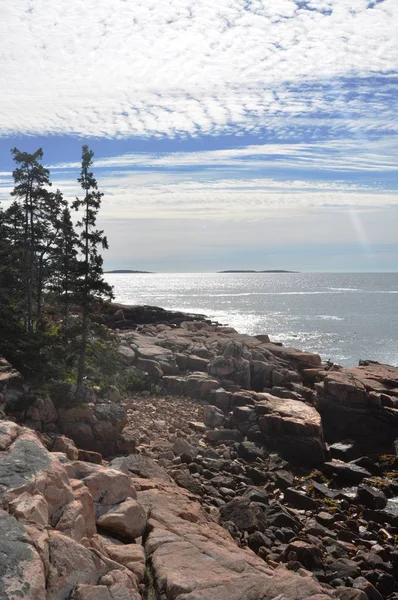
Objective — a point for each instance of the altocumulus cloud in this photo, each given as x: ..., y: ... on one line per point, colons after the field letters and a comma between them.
x: 188, y: 68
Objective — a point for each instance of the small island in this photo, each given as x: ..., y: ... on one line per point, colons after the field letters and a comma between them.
x: 126, y: 271
x: 253, y: 271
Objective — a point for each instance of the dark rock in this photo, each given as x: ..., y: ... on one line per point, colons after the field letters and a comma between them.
x: 249, y: 451
x: 224, y: 435
x: 351, y: 406
x: 307, y: 554
x: 371, y: 497
x: 348, y: 471
x: 325, y: 519
x: 360, y: 583
x: 386, y: 584
x: 299, y: 499
x: 213, y: 417
x: 277, y: 516
x: 256, y: 494
x: 242, y: 513
x: 343, y: 568
x: 257, y: 540
x: 283, y: 479
x: 343, y: 451
x: 140, y: 465
x: 322, y: 490
x: 367, y: 463
x: 184, y: 479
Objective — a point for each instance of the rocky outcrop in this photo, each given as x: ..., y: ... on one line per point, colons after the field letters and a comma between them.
x: 94, y: 423
x: 121, y: 316
x: 72, y: 530
x: 193, y: 558
x: 49, y: 543
x: 361, y: 404
x: 292, y: 427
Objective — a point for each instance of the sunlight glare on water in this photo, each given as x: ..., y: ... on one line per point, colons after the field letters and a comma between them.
x: 344, y: 317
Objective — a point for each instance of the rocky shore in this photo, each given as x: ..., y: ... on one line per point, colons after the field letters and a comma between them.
x: 244, y: 470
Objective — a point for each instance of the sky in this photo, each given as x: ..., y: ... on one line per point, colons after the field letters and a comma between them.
x: 237, y: 134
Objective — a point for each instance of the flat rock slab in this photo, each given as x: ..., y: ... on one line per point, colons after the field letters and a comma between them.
x: 285, y: 416
x: 292, y: 427
x: 297, y: 357
x: 193, y: 558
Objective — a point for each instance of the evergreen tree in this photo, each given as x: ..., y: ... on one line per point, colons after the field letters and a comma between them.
x: 11, y: 286
x: 91, y: 283
x: 31, y: 182
x: 65, y: 267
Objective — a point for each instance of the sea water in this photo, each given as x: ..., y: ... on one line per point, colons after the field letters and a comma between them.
x: 343, y: 317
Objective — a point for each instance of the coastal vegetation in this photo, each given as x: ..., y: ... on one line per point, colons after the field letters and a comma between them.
x: 51, y: 271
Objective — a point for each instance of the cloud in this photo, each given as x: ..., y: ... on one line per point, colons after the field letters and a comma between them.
x: 185, y: 68
x: 342, y: 155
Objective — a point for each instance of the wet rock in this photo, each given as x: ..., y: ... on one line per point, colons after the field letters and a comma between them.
x: 350, y: 472
x: 371, y: 497
x: 343, y: 451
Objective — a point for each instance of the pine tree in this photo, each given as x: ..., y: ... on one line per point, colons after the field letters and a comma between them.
x: 65, y: 267
x: 31, y: 182
x: 91, y: 283
x: 11, y: 285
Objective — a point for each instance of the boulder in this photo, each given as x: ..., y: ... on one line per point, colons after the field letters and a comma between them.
x: 109, y: 486
x: 197, y: 363
x: 152, y: 367
x: 182, y: 446
x: 348, y: 471
x: 292, y: 427
x: 351, y: 406
x: 371, y: 497
x: 128, y: 520
x: 213, y: 417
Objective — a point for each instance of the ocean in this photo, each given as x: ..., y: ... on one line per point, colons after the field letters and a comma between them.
x: 344, y: 317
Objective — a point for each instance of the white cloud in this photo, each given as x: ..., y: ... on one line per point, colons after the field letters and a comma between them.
x: 160, y: 67
x: 341, y: 155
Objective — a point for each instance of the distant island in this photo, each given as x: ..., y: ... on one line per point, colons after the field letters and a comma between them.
x: 252, y: 271
x: 127, y: 271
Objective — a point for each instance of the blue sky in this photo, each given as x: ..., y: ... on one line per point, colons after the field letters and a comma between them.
x: 237, y: 134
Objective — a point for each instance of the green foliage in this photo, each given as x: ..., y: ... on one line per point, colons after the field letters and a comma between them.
x: 45, y: 268
x: 90, y: 283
